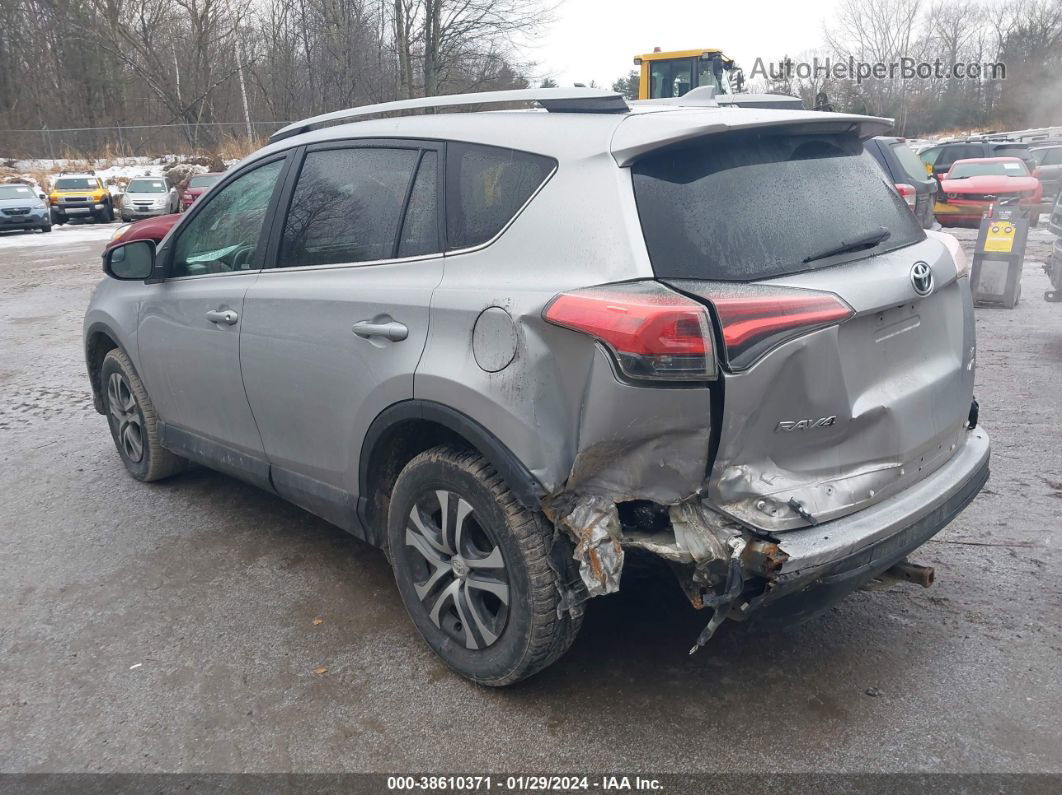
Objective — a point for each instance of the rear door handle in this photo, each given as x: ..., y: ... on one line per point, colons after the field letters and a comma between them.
x: 392, y: 330
x: 226, y: 316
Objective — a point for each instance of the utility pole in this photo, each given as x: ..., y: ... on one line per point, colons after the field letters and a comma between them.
x: 243, y: 87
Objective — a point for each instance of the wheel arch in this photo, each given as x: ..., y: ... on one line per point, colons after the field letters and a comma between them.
x: 403, y: 431
x: 100, y: 339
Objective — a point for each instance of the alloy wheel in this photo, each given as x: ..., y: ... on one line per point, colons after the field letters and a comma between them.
x: 125, y: 414
x: 458, y: 570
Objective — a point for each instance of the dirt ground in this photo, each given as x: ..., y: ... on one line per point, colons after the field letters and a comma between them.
x: 173, y: 626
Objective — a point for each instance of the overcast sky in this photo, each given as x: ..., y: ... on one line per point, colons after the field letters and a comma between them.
x: 597, y: 39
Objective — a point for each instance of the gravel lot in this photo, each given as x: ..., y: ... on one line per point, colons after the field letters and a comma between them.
x: 173, y: 626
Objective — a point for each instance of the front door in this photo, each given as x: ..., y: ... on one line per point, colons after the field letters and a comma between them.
x: 189, y: 327
x: 333, y: 334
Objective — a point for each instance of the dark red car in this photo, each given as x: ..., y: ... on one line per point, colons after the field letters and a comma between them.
x: 972, y: 186
x: 145, y: 229
x: 197, y: 186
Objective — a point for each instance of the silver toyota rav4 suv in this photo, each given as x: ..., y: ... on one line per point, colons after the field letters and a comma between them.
x: 511, y: 347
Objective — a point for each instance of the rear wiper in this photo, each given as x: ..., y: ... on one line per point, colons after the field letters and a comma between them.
x: 869, y: 240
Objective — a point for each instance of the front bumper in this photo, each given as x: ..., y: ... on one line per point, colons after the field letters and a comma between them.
x: 964, y: 211
x: 828, y: 561
x: 32, y: 220
x: 144, y: 212
x: 78, y: 210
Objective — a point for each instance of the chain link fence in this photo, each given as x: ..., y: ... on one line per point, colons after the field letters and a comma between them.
x: 136, y: 140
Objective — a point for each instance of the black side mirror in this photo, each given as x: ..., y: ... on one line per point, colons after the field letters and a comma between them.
x: 133, y: 261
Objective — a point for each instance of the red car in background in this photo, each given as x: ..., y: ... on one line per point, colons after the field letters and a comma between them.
x: 971, y: 186
x: 154, y: 228
x: 197, y: 186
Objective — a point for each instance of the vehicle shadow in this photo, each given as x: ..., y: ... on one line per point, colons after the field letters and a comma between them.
x: 634, y: 643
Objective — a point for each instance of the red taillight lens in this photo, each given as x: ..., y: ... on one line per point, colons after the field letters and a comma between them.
x: 907, y: 193
x: 653, y: 332
x: 756, y: 318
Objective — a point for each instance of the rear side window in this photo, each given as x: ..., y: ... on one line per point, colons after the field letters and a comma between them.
x: 953, y: 153
x: 347, y: 206
x: 485, y: 188
x: 741, y: 208
x: 1050, y: 157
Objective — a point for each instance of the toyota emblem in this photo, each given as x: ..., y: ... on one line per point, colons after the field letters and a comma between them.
x: 922, y: 278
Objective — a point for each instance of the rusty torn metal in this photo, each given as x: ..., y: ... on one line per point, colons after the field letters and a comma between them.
x: 593, y: 522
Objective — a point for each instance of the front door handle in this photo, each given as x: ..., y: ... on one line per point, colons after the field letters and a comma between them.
x: 392, y: 330
x: 226, y: 316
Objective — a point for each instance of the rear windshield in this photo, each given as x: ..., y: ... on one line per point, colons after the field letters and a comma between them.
x: 743, y: 207
x: 1011, y: 150
x: 909, y: 160
x: 204, y: 181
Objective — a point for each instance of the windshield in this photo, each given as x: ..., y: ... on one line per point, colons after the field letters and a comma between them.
x: 743, y: 207
x: 203, y: 180
x: 146, y: 186
x: 674, y: 77
x: 16, y: 192
x: 909, y: 160
x: 76, y: 183
x: 1006, y: 168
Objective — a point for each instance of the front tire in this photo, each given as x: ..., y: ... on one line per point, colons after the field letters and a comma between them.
x: 46, y: 227
x: 472, y: 568
x: 133, y: 421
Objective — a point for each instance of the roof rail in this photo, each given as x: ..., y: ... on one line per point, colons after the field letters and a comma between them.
x: 556, y: 100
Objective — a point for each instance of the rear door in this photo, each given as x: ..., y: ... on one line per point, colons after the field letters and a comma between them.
x: 333, y: 332
x: 847, y: 376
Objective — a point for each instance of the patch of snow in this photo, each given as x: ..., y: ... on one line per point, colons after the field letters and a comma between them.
x: 68, y: 235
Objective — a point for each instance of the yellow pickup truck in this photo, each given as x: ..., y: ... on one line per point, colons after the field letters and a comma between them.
x: 80, y: 196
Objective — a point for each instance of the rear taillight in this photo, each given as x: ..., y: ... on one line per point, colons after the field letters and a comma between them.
x: 756, y: 318
x: 907, y: 193
x: 962, y: 262
x: 652, y: 332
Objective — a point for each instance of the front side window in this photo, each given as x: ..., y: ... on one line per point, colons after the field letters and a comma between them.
x: 742, y: 207
x: 347, y: 206
x: 672, y: 78
x: 486, y: 186
x: 223, y: 236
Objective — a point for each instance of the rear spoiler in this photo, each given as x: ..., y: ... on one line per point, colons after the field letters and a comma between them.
x: 766, y: 101
x: 640, y: 133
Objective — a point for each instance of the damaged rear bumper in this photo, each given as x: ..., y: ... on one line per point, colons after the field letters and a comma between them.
x: 740, y: 572
x: 830, y: 560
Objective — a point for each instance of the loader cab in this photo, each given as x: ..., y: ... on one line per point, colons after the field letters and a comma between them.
x: 664, y: 75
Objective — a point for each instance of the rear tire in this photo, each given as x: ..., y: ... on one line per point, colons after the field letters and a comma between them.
x: 133, y: 421
x: 477, y: 584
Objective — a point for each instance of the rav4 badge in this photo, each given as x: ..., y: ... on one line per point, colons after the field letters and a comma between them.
x: 805, y: 425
